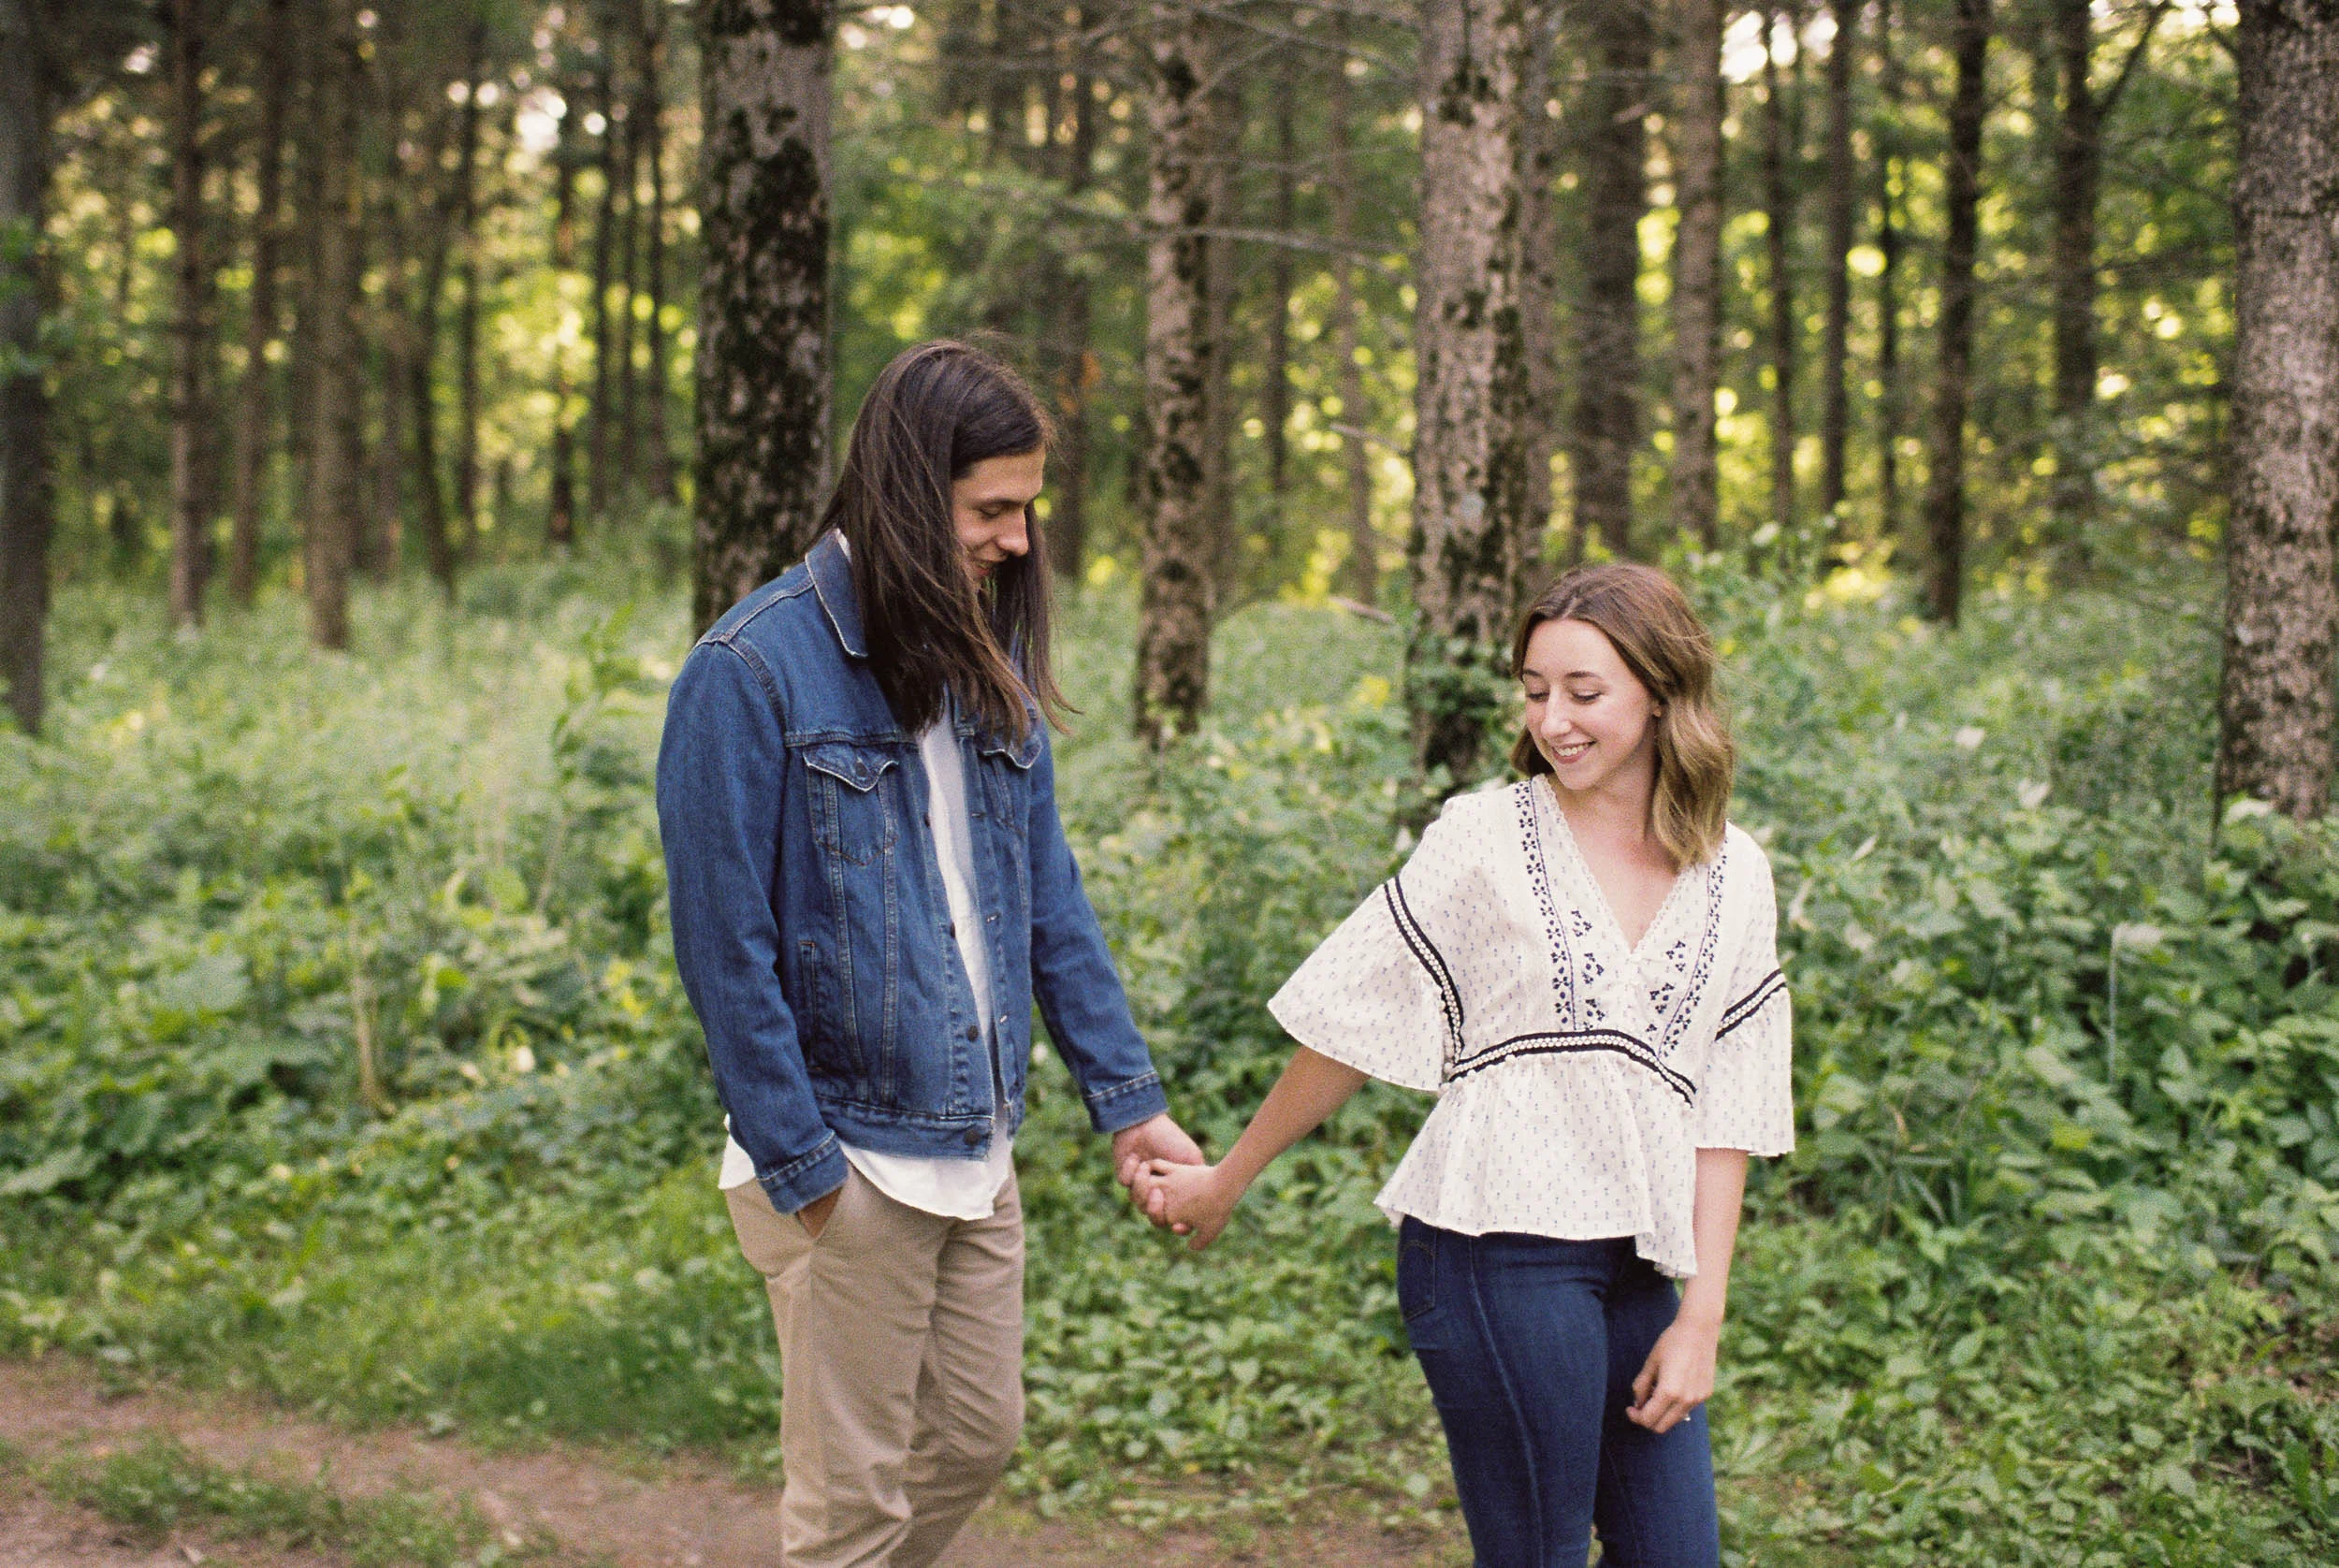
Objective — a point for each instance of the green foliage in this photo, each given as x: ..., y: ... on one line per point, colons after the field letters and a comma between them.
x: 2049, y: 1279
x: 160, y: 1486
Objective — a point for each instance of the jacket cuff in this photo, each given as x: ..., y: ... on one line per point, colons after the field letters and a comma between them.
x: 804, y: 1180
x: 1124, y: 1105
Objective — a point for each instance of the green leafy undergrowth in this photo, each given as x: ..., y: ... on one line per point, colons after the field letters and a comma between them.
x: 347, y: 1061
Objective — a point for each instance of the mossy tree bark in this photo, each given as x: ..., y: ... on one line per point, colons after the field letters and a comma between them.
x: 1953, y: 375
x: 1697, y: 273
x: 1539, y: 152
x: 1617, y: 37
x: 2275, y: 707
x: 1471, y: 400
x: 763, y: 414
x: 1177, y: 599
x: 25, y: 503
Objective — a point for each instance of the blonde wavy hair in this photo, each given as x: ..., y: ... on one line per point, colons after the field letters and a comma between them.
x: 1646, y: 616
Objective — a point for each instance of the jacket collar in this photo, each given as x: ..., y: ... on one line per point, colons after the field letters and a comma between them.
x: 831, y: 579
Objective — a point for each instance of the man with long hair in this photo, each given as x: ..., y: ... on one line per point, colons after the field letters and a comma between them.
x: 870, y: 889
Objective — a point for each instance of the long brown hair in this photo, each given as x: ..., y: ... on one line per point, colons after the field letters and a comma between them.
x: 933, y: 632
x: 1646, y: 616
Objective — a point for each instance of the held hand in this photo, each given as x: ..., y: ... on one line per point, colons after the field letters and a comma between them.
x: 1158, y: 1139
x: 1188, y: 1198
x: 1678, y: 1375
x: 814, y: 1215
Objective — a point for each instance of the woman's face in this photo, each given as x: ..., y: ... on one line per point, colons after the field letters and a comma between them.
x: 988, y: 508
x: 1590, y: 716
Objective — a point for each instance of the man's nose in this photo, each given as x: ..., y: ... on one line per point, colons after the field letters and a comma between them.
x: 1016, y: 539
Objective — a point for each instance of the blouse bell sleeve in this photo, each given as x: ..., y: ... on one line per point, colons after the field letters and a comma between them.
x: 1747, y: 1099
x: 1377, y: 993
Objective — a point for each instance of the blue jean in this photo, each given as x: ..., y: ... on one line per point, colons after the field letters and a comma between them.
x: 1531, y: 1346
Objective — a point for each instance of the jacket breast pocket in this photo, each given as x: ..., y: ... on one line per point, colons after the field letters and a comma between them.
x: 856, y: 799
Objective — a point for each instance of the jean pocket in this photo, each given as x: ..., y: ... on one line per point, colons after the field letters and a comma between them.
x: 857, y: 807
x: 1417, y: 1271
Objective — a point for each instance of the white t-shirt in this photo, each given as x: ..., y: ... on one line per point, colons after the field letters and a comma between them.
x: 965, y: 1189
x: 1577, y: 1075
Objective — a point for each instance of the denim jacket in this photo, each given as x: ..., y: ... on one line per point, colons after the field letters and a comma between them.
x: 809, y: 920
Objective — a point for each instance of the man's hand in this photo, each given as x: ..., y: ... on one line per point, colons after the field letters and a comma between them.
x: 1160, y: 1138
x: 1188, y: 1198
x: 814, y: 1215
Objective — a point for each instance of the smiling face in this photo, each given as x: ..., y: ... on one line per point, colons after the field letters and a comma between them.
x: 989, y: 509
x: 1590, y: 715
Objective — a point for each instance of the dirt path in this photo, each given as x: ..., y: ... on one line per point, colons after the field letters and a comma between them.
x: 598, y: 1507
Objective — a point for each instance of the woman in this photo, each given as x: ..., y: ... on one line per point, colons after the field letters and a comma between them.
x: 1583, y: 967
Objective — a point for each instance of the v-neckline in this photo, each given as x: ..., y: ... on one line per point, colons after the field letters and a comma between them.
x: 1599, y: 899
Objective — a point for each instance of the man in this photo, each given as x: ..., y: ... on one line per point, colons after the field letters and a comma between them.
x: 870, y: 888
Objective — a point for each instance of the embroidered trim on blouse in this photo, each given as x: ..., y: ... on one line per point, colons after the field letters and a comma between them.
x: 1567, y: 1041
x: 1530, y: 843
x: 1752, y: 1003
x: 1425, y: 952
x: 1670, y: 1030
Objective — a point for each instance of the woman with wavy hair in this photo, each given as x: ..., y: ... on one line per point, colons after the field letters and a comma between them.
x: 1582, y: 966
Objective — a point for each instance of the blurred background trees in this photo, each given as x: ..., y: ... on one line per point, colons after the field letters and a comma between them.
x: 1935, y: 292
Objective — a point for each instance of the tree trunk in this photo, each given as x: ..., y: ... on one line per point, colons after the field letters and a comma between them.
x: 253, y: 401
x: 332, y: 507
x: 1617, y: 39
x: 1945, y: 484
x: 1780, y: 149
x: 1834, y: 419
x: 1225, y: 114
x: 560, y: 506
x: 1890, y: 416
x: 627, y: 440
x: 1364, y: 546
x: 1176, y: 600
x: 1275, y: 375
x: 762, y: 354
x: 2078, y: 162
x: 1068, y: 518
x: 1697, y: 275
x: 467, y: 306
x: 1472, y: 388
x: 2274, y: 710
x: 25, y: 503
x: 1539, y: 152
x: 191, y: 335
x: 605, y: 230
x: 648, y: 116
x: 421, y: 370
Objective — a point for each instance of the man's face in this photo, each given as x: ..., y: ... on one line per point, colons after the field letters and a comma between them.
x: 988, y: 508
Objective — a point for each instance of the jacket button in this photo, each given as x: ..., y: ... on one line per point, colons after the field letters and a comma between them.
x: 974, y: 1134
x: 974, y: 1031
x: 950, y: 928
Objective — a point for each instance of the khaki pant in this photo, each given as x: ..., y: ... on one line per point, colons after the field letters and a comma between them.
x: 901, y: 1350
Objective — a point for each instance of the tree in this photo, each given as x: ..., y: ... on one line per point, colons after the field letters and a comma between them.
x: 1275, y: 375
x: 1953, y: 384
x: 1781, y: 149
x: 1364, y: 548
x: 466, y: 235
x: 1890, y: 405
x: 560, y: 494
x: 762, y: 355
x: 1834, y: 419
x: 190, y: 333
x: 2071, y: 259
x: 1471, y: 392
x: 1618, y: 37
x: 1177, y: 599
x: 649, y: 107
x: 1073, y: 364
x: 1697, y: 274
x: 2281, y: 621
x: 1539, y: 152
x: 260, y: 326
x: 332, y: 500
x: 24, y: 472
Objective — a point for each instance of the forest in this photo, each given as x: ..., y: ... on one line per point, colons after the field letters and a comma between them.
x: 390, y: 392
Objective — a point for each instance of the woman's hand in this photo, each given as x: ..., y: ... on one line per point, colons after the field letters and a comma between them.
x: 1678, y: 1375
x: 1196, y: 1199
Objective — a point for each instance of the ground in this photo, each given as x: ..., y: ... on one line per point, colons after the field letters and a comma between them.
x: 561, y: 1504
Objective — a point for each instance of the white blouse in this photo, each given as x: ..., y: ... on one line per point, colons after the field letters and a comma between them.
x: 1576, y: 1074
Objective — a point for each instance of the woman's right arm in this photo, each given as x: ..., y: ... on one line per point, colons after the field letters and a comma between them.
x: 1203, y: 1196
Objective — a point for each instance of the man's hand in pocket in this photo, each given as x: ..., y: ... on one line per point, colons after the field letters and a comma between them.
x: 814, y: 1215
